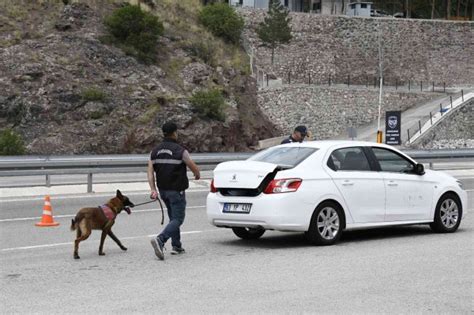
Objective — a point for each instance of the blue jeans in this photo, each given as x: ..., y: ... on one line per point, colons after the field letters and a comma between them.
x: 175, y: 202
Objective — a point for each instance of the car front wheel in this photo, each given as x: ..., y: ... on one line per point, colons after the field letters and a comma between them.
x: 248, y: 233
x: 448, y: 214
x: 326, y: 224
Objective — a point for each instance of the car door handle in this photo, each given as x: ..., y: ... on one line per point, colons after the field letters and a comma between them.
x: 347, y: 183
x: 392, y: 183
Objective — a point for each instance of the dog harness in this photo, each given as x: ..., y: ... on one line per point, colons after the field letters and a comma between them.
x: 109, y: 214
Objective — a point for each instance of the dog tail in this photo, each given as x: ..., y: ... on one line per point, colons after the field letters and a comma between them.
x: 73, y: 225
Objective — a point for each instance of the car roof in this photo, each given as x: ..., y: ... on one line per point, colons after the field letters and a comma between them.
x: 326, y: 144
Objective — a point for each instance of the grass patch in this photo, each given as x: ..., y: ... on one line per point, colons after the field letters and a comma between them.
x: 150, y: 114
x: 93, y: 94
x: 11, y: 143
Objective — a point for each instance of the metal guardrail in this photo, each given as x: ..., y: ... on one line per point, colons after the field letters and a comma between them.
x: 96, y: 164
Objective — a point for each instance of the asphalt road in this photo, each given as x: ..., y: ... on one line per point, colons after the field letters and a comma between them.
x: 392, y: 270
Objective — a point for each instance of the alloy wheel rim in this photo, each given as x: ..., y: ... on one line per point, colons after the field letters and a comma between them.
x: 449, y: 213
x: 328, y: 223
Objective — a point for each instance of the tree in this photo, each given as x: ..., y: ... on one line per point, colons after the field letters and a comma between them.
x: 222, y: 21
x: 136, y: 29
x: 275, y: 29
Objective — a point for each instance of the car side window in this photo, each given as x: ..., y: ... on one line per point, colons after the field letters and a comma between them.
x: 392, y: 162
x: 348, y: 159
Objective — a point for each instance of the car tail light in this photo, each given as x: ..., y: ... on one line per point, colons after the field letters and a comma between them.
x: 285, y: 185
x: 213, y: 188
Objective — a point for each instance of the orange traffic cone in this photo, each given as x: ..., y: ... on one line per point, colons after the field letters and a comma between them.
x: 47, y: 219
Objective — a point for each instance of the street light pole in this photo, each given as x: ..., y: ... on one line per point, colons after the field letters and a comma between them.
x: 379, y: 129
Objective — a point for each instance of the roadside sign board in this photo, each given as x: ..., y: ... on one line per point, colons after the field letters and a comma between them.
x: 393, y: 122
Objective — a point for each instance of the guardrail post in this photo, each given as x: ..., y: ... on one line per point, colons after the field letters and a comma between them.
x: 419, y: 125
x: 366, y: 81
x: 267, y: 80
x: 451, y: 100
x: 329, y: 82
x: 408, y: 133
x: 396, y: 84
x: 441, y: 109
x: 48, y: 180
x: 89, y: 182
x: 309, y: 78
x: 444, y: 87
x: 462, y: 95
x: 375, y: 82
x: 409, y: 85
x: 431, y: 165
x: 348, y: 80
x: 433, y: 86
x: 421, y: 86
x: 431, y: 118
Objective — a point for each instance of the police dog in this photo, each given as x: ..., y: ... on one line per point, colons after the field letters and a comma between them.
x: 99, y: 218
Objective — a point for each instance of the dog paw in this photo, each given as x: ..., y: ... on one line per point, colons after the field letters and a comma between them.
x: 101, y: 254
x: 77, y: 257
x: 123, y: 248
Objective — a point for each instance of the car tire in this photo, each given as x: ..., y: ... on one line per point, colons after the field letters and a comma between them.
x: 326, y: 224
x: 248, y: 233
x: 448, y: 214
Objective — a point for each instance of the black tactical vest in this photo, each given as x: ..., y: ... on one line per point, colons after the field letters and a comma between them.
x: 170, y: 169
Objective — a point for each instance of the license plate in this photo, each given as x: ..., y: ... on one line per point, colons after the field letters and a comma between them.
x: 237, y: 207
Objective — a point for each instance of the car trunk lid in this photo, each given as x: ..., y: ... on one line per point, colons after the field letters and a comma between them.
x: 243, y: 174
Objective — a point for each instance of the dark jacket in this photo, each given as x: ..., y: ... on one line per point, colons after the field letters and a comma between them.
x: 170, y: 169
x: 288, y: 140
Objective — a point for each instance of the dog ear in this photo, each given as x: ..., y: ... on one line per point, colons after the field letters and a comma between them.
x: 119, y: 194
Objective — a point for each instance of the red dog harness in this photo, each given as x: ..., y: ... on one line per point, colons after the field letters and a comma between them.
x: 110, y: 215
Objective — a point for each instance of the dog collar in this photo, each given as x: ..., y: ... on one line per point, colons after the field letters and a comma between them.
x: 108, y: 212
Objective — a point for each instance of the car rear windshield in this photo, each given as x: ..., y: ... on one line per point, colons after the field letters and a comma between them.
x: 286, y: 157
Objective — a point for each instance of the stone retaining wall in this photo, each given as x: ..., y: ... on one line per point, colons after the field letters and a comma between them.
x: 455, y: 131
x: 328, y: 111
x: 338, y: 46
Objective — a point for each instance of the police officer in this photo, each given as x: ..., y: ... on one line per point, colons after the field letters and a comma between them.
x: 167, y: 165
x: 298, y: 135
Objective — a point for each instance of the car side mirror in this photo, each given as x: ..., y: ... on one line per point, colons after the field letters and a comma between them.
x: 419, y: 169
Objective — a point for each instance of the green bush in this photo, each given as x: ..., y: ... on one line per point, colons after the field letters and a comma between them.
x: 137, y: 29
x: 93, y: 95
x: 209, y: 104
x: 222, y: 20
x: 204, y: 50
x: 11, y: 143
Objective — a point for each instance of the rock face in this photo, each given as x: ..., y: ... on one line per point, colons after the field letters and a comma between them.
x: 335, y: 47
x: 328, y: 111
x: 69, y: 93
x: 456, y: 130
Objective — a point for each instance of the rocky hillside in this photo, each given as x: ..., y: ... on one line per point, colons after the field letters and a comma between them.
x: 65, y: 90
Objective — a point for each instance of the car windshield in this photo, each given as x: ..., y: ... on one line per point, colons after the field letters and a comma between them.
x: 286, y: 157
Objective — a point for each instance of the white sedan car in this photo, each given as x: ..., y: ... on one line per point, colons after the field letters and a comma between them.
x: 325, y: 187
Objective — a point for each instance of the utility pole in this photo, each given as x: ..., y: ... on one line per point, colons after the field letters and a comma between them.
x: 379, y: 127
x: 432, y: 8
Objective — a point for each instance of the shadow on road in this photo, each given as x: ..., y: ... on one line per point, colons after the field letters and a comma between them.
x: 297, y: 240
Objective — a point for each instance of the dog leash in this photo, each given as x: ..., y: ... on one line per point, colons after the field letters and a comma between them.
x: 161, y: 206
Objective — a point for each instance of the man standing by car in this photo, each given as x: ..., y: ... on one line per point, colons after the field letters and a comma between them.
x: 167, y: 165
x: 298, y: 135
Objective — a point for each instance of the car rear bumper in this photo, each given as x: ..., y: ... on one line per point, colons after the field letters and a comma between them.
x: 271, y: 212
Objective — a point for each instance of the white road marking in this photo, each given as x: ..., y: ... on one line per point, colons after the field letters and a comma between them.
x: 75, y: 196
x: 73, y: 215
x: 122, y: 238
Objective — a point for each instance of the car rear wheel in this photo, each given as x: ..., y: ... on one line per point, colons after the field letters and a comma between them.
x: 448, y: 214
x: 326, y: 224
x: 248, y: 233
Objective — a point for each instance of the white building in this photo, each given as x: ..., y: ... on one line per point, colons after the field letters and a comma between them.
x: 314, y: 6
x: 359, y: 9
